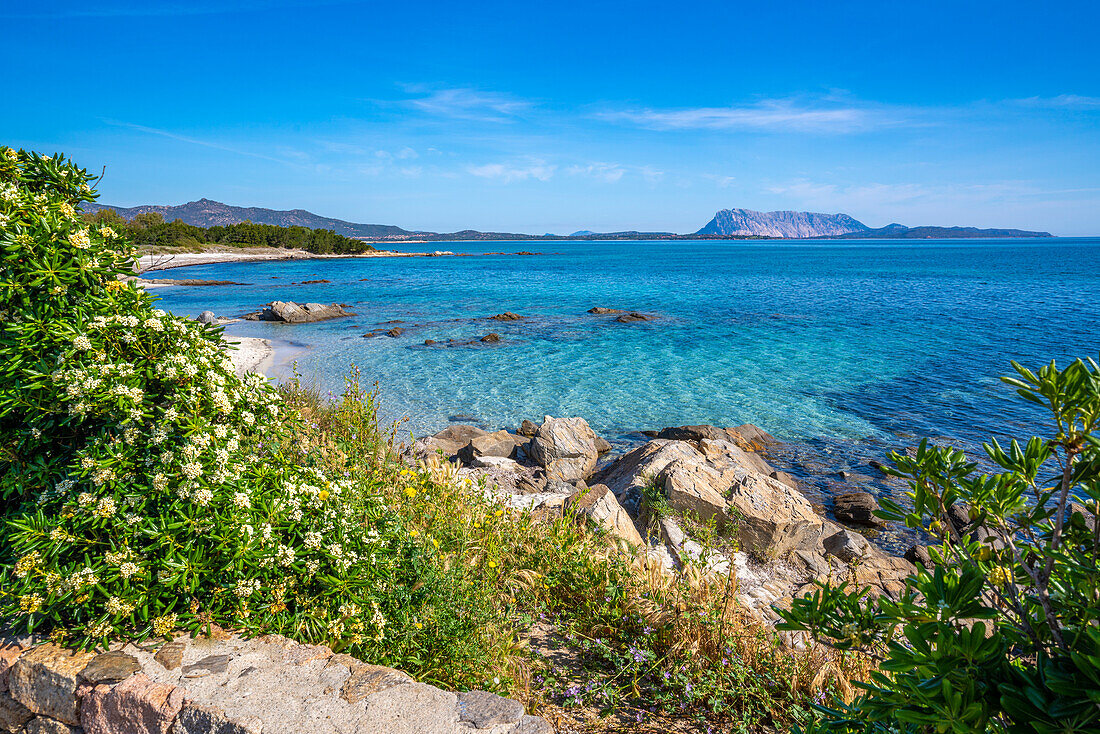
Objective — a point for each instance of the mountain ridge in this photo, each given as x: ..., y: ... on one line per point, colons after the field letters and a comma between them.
x: 209, y: 213
x: 726, y: 224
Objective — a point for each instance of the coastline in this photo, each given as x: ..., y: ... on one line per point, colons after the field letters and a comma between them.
x: 167, y: 261
x: 267, y: 357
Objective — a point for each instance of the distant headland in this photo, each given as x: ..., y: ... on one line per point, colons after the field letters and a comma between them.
x: 726, y: 224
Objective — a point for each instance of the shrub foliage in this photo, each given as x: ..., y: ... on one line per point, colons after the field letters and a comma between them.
x: 145, y: 486
x: 1001, y: 633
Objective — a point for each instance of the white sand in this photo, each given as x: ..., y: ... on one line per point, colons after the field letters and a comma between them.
x: 251, y: 254
x: 251, y: 355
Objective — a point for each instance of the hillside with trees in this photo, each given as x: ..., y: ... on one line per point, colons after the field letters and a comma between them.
x: 149, y: 231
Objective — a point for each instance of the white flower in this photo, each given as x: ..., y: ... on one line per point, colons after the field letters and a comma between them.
x: 105, y: 507
x: 107, y: 232
x: 82, y: 343
x: 241, y: 501
x: 80, y: 239
x: 192, y: 470
x: 247, y: 417
x: 203, y: 497
x: 127, y: 569
x: 313, y: 540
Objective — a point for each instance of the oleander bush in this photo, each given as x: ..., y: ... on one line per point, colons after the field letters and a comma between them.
x: 145, y: 487
x: 1002, y: 633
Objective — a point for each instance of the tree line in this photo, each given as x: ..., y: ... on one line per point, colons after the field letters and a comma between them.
x: 149, y: 229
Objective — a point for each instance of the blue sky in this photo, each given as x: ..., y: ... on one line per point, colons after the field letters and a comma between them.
x: 557, y: 116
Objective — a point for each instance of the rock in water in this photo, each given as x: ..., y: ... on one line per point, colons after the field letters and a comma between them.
x: 506, y: 316
x: 289, y: 312
x: 207, y: 317
x: 628, y: 318
x: 857, y: 508
x: 604, y: 310
x: 565, y: 447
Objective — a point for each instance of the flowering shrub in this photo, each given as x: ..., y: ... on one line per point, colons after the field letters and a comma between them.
x: 144, y: 486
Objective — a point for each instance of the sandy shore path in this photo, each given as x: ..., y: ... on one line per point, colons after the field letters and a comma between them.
x: 252, y: 354
x: 166, y: 261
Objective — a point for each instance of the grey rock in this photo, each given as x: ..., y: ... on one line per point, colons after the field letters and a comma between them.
x: 847, y: 546
x: 207, y: 317
x: 110, y: 666
x: 565, y: 447
x: 13, y: 715
x: 533, y: 725
x: 598, y: 503
x: 500, y: 443
x: 693, y: 433
x: 506, y: 316
x: 780, y: 224
x: 602, y: 446
x: 527, y: 428
x: 45, y: 680
x: 695, y: 489
x: 786, y: 478
x: 604, y: 310
x: 414, y: 708
x: 485, y: 710
x: 288, y: 312
x: 198, y: 719
x: 632, y: 317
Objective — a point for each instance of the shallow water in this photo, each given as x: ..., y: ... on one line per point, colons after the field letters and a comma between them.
x: 842, y: 348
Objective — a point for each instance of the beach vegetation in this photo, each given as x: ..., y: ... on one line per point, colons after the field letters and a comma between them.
x: 147, y: 490
x: 1000, y: 633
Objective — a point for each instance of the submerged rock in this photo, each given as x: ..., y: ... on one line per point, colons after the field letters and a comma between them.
x: 604, y: 310
x: 506, y: 316
x: 633, y: 316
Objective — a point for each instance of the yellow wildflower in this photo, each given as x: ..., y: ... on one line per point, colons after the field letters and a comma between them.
x: 410, y: 492
x: 492, y: 564
x: 322, y: 495
x: 418, y: 625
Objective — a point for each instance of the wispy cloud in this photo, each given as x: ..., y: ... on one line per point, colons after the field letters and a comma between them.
x: 775, y: 115
x: 467, y: 104
x: 607, y: 172
x: 1062, y: 101
x: 511, y: 172
x: 197, y: 141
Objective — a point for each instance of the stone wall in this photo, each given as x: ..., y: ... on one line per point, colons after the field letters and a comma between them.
x: 268, y: 685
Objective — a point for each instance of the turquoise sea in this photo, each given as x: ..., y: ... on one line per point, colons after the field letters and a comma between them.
x: 844, y: 349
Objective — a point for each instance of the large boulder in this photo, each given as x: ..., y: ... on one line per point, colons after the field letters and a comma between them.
x: 727, y: 455
x: 288, y: 312
x: 635, y: 469
x: 565, y: 447
x: 847, y: 546
x: 695, y: 489
x: 598, y: 503
x: 772, y: 519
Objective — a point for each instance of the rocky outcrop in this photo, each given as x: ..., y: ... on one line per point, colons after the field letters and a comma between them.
x: 268, y: 685
x: 600, y: 310
x: 565, y: 447
x: 506, y: 316
x: 288, y: 312
x: 497, y: 444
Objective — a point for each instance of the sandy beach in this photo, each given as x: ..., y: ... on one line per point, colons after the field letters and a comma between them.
x: 252, y: 354
x: 166, y: 261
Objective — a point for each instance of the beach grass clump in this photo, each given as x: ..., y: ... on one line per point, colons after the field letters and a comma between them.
x: 145, y: 487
